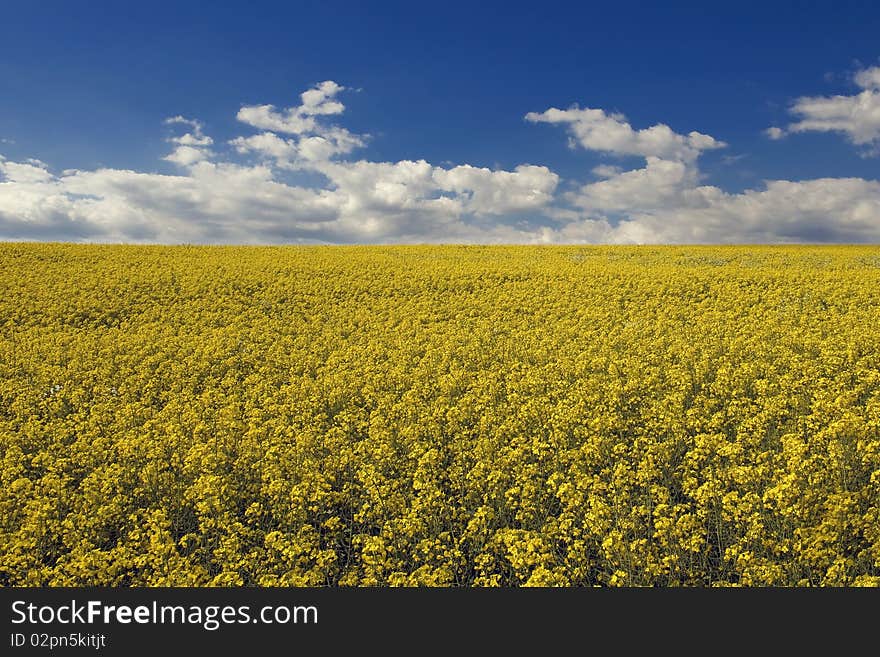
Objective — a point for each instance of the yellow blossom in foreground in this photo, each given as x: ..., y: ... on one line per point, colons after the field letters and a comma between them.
x: 439, y: 416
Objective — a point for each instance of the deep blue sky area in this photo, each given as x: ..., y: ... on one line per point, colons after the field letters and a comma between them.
x: 88, y: 85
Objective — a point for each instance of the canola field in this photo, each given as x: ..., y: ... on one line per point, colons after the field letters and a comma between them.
x: 452, y: 416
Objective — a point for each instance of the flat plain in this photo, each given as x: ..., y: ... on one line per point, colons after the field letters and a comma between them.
x: 439, y: 415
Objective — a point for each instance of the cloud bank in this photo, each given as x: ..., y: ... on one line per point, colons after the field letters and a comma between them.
x: 241, y: 191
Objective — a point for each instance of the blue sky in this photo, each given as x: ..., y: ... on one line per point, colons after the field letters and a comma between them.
x: 90, y: 87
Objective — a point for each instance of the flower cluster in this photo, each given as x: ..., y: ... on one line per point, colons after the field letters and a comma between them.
x: 472, y: 416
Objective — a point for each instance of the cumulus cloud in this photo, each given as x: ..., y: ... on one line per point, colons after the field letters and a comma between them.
x: 294, y: 180
x: 868, y: 78
x: 228, y: 201
x: 311, y: 140
x: 499, y: 192
x: 822, y: 210
x: 665, y: 202
x: 596, y: 130
x: 836, y: 210
x: 856, y: 116
x: 660, y: 183
x: 24, y: 172
x: 321, y: 99
x: 302, y: 151
x: 282, y: 151
x: 606, y: 170
x: 191, y: 147
x: 214, y: 202
x: 186, y: 155
x: 317, y: 101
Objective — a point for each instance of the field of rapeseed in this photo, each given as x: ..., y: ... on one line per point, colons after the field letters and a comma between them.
x: 439, y: 416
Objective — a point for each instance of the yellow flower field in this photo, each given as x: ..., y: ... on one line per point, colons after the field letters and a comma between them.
x: 422, y: 415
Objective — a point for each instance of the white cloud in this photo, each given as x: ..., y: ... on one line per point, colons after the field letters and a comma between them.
x: 192, y: 147
x: 190, y: 139
x: 24, y: 172
x: 664, y: 202
x: 267, y: 144
x: 660, y: 183
x: 823, y: 210
x: 321, y: 99
x: 311, y: 141
x: 606, y: 170
x: 816, y: 211
x: 244, y: 192
x: 302, y: 151
x: 596, y: 130
x: 856, y: 116
x: 499, y: 192
x: 775, y: 133
x: 266, y: 117
x: 179, y: 119
x: 868, y: 78
x: 186, y: 155
x: 232, y: 202
x: 214, y: 202
x: 297, y: 120
x: 328, y: 143
x: 414, y: 201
